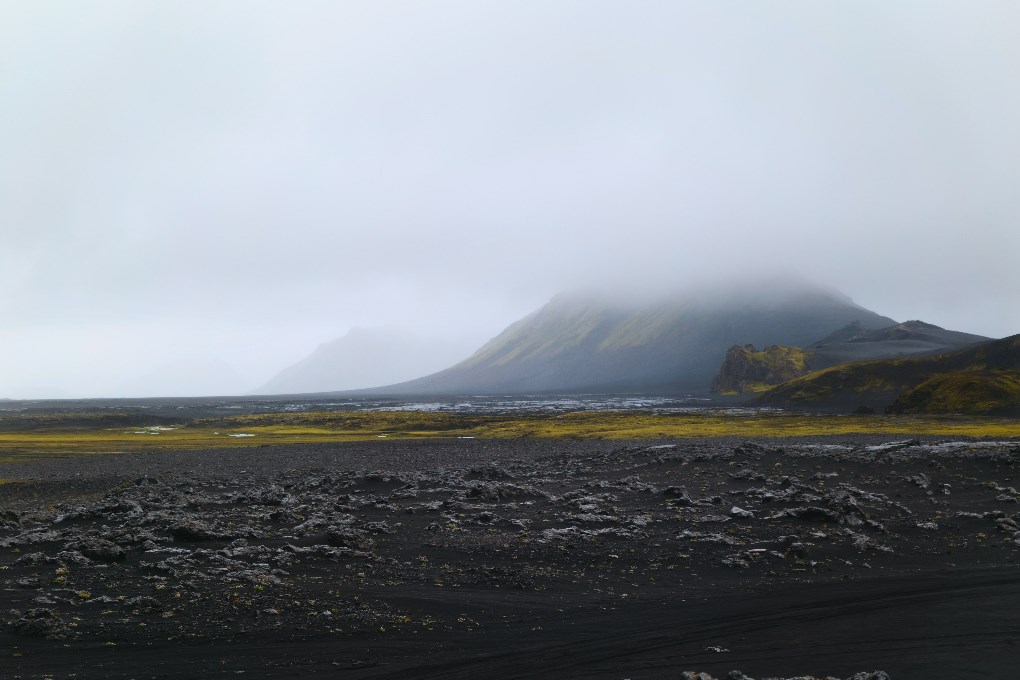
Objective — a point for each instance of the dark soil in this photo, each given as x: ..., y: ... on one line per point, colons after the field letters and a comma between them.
x: 523, y: 559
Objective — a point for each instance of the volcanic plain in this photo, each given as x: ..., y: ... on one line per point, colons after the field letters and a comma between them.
x: 498, y: 547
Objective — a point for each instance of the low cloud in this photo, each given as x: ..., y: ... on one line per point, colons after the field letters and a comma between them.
x: 183, y: 183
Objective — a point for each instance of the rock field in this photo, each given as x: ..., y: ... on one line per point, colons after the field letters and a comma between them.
x: 515, y: 559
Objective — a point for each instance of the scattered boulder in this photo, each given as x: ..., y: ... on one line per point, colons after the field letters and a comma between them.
x: 741, y: 513
x: 678, y: 495
x: 39, y: 622
x: 98, y: 549
x: 808, y: 514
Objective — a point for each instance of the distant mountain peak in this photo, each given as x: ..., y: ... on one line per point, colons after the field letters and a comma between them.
x: 365, y: 357
x: 663, y: 341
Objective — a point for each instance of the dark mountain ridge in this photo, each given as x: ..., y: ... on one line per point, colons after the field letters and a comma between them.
x: 855, y: 343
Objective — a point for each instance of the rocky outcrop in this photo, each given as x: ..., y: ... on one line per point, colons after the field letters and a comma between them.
x: 746, y: 369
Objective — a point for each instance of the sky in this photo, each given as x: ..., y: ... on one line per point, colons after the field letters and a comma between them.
x: 195, y: 194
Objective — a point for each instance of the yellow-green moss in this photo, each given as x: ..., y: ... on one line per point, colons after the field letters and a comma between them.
x: 971, y: 392
x: 335, y: 426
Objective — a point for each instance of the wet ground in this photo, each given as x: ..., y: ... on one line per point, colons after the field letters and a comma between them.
x: 180, y: 409
x: 516, y: 559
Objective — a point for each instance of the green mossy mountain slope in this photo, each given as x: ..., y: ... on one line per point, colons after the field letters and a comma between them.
x: 748, y: 370
x: 979, y: 380
x: 671, y: 344
x: 989, y: 393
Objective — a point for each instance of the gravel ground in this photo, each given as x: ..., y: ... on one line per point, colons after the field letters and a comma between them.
x: 841, y: 557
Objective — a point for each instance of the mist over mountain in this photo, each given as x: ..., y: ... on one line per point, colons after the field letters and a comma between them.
x: 671, y: 342
x: 365, y: 357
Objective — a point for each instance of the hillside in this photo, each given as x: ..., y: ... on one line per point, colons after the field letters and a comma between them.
x: 363, y: 358
x: 977, y: 379
x: 855, y: 343
x: 746, y: 369
x: 992, y: 393
x: 674, y: 343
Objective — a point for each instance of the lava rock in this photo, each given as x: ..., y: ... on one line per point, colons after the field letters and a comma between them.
x: 98, y: 549
x: 39, y: 622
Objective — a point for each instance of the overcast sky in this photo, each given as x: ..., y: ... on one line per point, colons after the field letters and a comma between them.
x: 194, y: 194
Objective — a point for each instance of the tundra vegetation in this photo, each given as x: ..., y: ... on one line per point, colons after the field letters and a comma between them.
x: 981, y: 380
x: 91, y: 433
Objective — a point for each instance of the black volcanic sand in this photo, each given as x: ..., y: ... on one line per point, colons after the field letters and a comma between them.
x: 522, y: 559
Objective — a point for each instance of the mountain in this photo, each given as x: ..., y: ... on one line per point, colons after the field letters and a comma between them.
x: 981, y: 379
x: 746, y: 369
x: 363, y: 358
x: 673, y: 343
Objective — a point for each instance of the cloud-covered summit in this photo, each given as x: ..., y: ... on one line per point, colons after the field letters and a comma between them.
x: 186, y: 182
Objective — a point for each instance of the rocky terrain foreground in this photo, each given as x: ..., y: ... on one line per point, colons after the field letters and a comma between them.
x: 843, y: 557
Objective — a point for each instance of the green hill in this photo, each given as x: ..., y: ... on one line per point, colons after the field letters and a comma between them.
x: 990, y: 393
x: 746, y: 369
x: 981, y: 379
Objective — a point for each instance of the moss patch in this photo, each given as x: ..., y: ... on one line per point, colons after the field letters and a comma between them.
x: 975, y: 392
x: 334, y: 426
